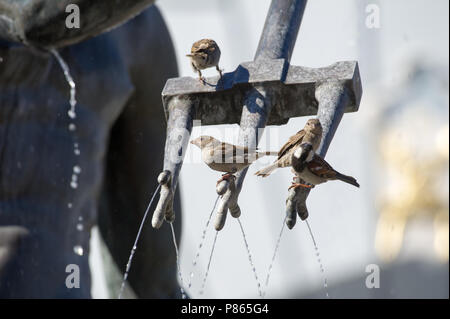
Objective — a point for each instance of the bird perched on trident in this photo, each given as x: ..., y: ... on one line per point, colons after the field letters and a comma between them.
x: 225, y: 157
x: 314, y: 170
x: 299, y: 152
x: 311, y: 134
x: 205, y: 54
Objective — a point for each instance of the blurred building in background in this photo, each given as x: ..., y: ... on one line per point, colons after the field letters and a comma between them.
x: 396, y: 145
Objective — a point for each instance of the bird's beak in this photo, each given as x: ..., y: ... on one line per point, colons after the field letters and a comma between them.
x: 189, y: 55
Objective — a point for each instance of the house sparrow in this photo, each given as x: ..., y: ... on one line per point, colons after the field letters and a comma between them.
x: 225, y: 157
x: 204, y: 54
x: 314, y: 170
x: 310, y: 134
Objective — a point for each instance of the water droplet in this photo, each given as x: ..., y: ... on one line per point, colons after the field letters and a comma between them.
x: 73, y: 184
x: 76, y: 151
x: 77, y: 169
x: 250, y: 257
x: 322, y: 269
x: 69, y: 205
x: 80, y: 227
x: 80, y: 218
x: 74, y: 178
x: 75, y: 145
x: 72, y: 127
x: 72, y: 114
x: 78, y: 250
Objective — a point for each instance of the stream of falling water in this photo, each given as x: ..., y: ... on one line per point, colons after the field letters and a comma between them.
x: 72, y: 113
x: 183, y: 294
x: 269, y: 271
x: 202, y: 240
x: 133, y: 250
x: 322, y: 270
x: 250, y: 257
x: 76, y: 169
x: 209, y: 264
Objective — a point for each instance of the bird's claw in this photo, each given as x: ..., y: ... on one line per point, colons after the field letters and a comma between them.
x: 202, y: 80
x: 220, y: 71
x: 295, y: 185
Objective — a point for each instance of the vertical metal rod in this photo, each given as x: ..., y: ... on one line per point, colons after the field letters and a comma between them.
x: 280, y: 29
x: 179, y: 127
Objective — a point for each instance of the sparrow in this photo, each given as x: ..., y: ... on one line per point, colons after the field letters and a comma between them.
x: 311, y: 134
x: 225, y: 157
x: 204, y: 54
x: 314, y: 170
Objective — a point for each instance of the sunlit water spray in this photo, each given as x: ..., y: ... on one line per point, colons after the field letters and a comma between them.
x: 78, y: 250
x: 76, y: 170
x: 133, y: 250
x: 250, y: 258
x: 269, y: 271
x: 72, y: 114
x: 183, y: 294
x: 202, y: 240
x: 209, y: 264
x: 322, y: 270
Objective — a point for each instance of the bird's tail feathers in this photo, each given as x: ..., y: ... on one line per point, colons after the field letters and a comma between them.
x: 266, y: 171
x: 347, y: 179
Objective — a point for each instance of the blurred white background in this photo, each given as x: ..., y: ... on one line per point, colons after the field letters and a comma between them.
x: 343, y: 218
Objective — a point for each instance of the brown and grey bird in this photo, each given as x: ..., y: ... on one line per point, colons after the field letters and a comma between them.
x: 311, y: 134
x: 205, y: 54
x: 314, y: 169
x: 225, y: 157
